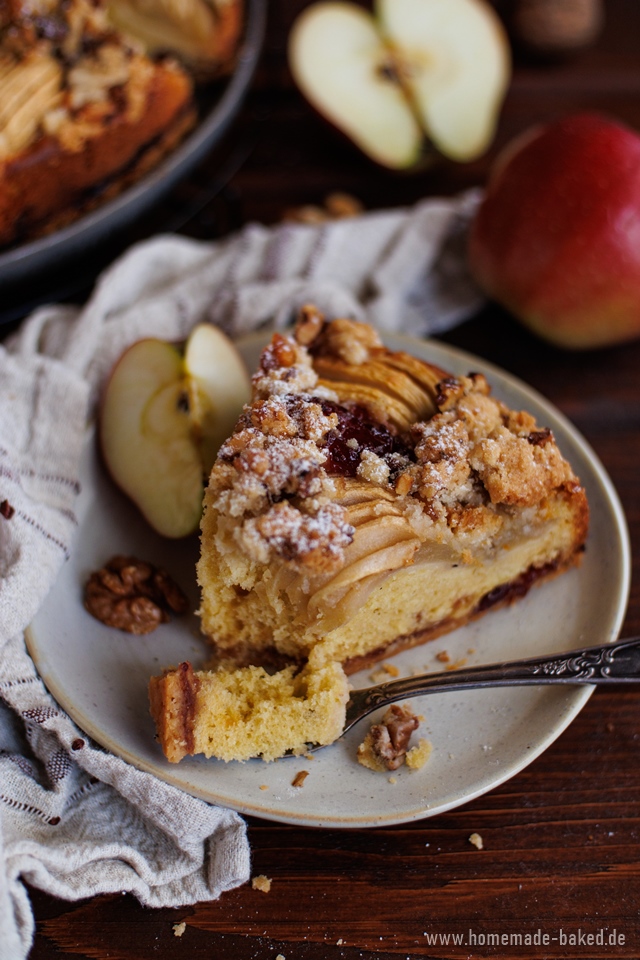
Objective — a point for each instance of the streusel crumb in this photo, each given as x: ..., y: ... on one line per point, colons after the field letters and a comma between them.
x: 261, y: 883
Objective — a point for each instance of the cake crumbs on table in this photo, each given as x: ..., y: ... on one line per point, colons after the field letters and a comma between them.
x: 261, y: 882
x: 443, y: 656
x: 264, y: 786
x: 179, y: 928
x: 476, y: 840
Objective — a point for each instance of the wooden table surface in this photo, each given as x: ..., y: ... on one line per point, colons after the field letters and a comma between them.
x: 561, y: 850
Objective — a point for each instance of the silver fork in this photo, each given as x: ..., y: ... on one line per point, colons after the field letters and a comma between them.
x: 609, y: 663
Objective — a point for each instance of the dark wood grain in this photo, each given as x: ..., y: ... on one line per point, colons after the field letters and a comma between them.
x: 562, y: 839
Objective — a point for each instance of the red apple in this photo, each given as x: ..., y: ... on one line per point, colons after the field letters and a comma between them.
x: 557, y: 237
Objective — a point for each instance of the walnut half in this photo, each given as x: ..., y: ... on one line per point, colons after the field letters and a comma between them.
x: 385, y: 745
x: 132, y: 595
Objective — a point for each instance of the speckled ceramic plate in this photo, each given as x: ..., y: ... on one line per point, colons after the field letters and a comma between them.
x: 480, y: 738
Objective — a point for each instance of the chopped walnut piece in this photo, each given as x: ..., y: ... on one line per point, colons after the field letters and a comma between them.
x: 309, y: 214
x: 133, y: 595
x: 385, y: 745
x: 299, y: 778
x: 404, y: 484
x: 347, y: 340
x: 285, y: 368
x: 337, y: 206
x: 341, y: 205
x: 309, y: 324
x: 452, y: 389
x: 282, y: 353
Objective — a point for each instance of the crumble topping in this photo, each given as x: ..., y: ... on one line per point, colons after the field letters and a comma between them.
x: 93, y: 77
x: 285, y: 367
x: 373, y: 468
x: 347, y: 340
x: 293, y: 416
x: 314, y: 540
x: 454, y: 476
x: 270, y: 473
x: 514, y: 470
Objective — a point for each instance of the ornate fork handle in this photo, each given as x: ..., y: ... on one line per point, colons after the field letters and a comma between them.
x: 609, y: 663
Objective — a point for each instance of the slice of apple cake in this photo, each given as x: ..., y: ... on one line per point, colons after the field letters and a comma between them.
x: 366, y: 502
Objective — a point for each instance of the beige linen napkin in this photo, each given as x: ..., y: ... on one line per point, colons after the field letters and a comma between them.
x: 75, y: 820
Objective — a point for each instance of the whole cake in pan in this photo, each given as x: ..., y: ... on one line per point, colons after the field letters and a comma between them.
x: 87, y: 108
x: 366, y: 502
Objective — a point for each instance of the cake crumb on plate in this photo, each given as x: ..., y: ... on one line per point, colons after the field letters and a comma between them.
x: 299, y: 779
x: 417, y: 756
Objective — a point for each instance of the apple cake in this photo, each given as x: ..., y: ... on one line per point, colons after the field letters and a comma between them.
x: 366, y: 502
x: 87, y: 109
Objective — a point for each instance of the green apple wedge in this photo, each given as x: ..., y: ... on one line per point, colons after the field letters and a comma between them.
x: 340, y: 62
x: 457, y: 62
x: 218, y: 386
x: 164, y: 414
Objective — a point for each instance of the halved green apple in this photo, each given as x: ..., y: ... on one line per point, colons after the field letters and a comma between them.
x: 420, y: 77
x: 164, y: 414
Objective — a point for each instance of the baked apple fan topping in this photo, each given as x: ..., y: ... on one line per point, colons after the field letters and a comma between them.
x: 29, y: 89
